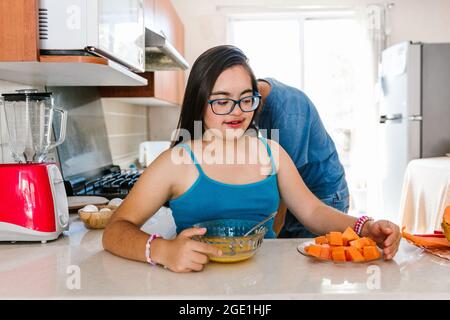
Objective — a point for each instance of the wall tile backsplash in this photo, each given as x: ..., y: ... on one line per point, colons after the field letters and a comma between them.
x: 127, y: 127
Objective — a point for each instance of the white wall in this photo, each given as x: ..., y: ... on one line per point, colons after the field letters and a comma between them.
x: 417, y: 20
x: 420, y: 20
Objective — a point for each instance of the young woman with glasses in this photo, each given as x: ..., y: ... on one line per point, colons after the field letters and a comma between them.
x: 220, y: 167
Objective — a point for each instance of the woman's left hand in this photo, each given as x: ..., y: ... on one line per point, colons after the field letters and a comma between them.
x: 386, y: 234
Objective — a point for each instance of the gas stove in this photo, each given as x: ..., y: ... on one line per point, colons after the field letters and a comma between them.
x: 113, y: 184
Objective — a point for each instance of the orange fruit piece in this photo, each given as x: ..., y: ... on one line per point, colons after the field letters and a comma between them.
x: 349, y: 235
x: 325, y: 252
x: 321, y: 240
x: 368, y: 241
x: 335, y: 238
x: 371, y: 253
x: 314, y: 250
x: 353, y: 254
x: 358, y: 244
x: 338, y: 254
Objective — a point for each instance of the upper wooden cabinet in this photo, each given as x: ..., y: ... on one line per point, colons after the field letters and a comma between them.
x: 161, y: 17
x: 18, y: 30
x: 168, y: 23
x: 20, y: 60
x: 167, y: 86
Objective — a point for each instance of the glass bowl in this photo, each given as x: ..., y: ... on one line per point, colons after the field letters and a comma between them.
x: 228, y: 236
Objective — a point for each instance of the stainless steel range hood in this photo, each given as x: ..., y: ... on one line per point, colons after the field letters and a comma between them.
x: 160, y: 54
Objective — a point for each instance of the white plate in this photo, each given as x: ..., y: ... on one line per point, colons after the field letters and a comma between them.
x: 301, y: 248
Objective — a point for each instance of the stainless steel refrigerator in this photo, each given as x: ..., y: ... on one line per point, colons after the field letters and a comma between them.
x: 414, y: 112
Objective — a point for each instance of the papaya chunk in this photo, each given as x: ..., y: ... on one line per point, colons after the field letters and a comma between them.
x: 371, y: 253
x: 321, y: 240
x: 338, y: 254
x: 325, y: 252
x: 314, y: 250
x: 369, y: 242
x: 349, y: 235
x: 353, y: 254
x: 358, y: 244
x: 335, y: 239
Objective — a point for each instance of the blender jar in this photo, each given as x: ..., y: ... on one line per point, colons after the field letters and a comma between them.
x: 29, y: 119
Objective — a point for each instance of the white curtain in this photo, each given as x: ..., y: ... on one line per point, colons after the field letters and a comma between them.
x: 374, y: 18
x: 376, y: 32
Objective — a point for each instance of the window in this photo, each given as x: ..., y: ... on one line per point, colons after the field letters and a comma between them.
x: 328, y: 59
x: 272, y: 46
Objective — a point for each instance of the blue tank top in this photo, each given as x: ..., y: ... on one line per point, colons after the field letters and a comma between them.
x: 209, y: 199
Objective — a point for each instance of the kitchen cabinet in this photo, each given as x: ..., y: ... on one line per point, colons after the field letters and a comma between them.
x: 166, y: 86
x: 20, y: 60
x: 170, y: 84
x: 163, y: 88
x: 18, y: 40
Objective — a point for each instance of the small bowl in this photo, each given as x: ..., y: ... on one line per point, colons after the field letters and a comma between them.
x: 96, y: 220
x: 228, y: 236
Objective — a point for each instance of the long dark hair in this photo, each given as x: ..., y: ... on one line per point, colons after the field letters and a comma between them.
x: 204, y: 73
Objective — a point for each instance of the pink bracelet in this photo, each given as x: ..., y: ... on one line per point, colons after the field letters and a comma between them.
x: 147, y: 248
x: 360, y: 224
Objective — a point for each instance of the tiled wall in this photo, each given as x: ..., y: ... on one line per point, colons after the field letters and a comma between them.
x: 163, y: 121
x: 127, y: 127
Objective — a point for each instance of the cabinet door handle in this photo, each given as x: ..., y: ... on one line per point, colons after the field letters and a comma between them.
x: 415, y: 118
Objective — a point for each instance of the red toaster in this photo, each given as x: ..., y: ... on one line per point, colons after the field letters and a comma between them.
x: 33, y: 202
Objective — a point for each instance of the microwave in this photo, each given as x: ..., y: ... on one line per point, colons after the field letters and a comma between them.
x: 113, y: 29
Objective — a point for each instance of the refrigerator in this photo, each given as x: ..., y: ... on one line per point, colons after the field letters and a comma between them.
x: 414, y: 120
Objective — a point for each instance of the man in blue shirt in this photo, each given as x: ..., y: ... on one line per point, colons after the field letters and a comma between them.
x: 303, y: 136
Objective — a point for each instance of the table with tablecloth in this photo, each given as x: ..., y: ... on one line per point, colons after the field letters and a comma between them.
x: 425, y: 195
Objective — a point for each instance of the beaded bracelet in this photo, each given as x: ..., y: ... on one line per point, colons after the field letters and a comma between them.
x: 147, y: 248
x: 360, y: 224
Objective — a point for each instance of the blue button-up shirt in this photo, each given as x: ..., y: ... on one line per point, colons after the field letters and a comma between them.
x: 303, y: 136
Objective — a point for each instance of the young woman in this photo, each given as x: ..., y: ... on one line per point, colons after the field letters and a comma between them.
x: 216, y: 117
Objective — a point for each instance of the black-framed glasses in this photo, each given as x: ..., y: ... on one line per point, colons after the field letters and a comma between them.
x: 225, y: 106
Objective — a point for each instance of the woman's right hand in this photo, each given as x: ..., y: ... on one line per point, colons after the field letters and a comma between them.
x: 183, y: 254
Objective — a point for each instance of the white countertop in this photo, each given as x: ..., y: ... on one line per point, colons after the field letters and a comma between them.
x: 277, y: 271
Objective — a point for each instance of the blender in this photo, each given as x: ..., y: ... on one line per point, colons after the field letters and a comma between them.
x: 33, y: 200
